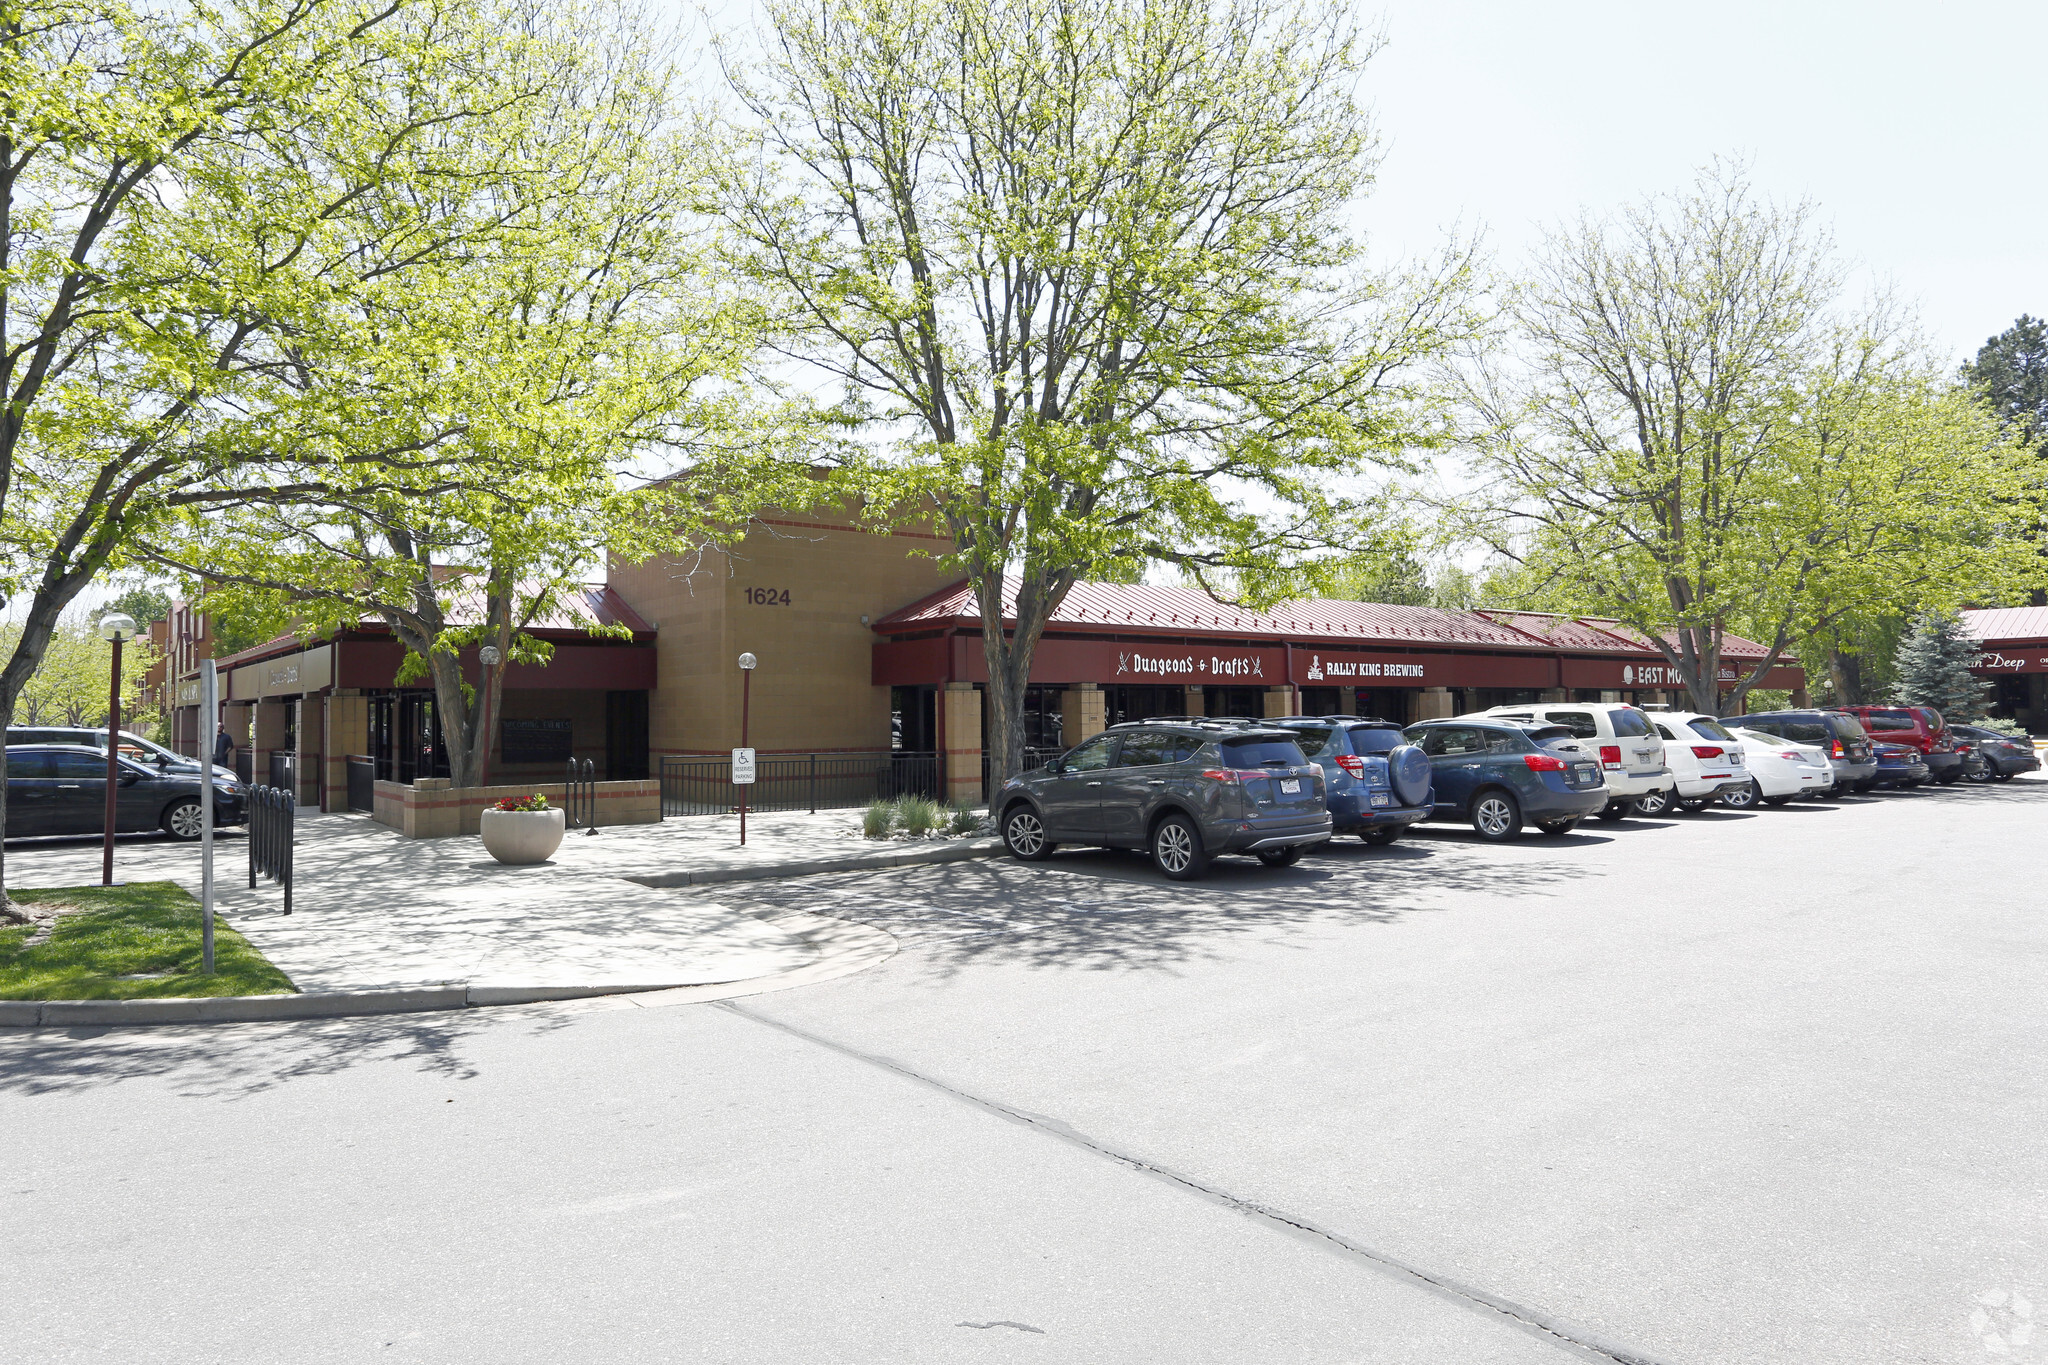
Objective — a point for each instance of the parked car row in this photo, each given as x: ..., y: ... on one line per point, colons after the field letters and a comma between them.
x: 57, y: 784
x: 1186, y: 789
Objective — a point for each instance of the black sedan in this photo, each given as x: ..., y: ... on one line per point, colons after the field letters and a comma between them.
x: 2004, y: 755
x: 62, y: 789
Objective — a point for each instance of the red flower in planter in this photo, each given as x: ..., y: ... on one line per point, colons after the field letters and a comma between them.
x: 537, y: 801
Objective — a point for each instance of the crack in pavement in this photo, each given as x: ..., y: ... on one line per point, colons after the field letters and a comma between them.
x: 1002, y: 1322
x: 1558, y: 1331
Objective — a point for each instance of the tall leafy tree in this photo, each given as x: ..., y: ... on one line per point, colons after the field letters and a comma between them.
x: 530, y: 372
x: 189, y: 197
x: 1082, y: 279
x: 2011, y: 371
x: 1685, y: 431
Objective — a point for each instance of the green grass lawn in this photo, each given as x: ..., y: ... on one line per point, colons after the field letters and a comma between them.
x: 145, y: 930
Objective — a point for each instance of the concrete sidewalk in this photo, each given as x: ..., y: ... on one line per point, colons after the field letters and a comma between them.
x: 376, y: 912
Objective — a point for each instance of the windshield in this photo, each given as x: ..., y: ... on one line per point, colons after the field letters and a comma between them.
x: 1261, y: 753
x: 1629, y: 723
x: 1555, y: 737
x: 1313, y: 739
x: 1373, y: 739
x: 1846, y: 726
x: 1709, y: 728
x: 1889, y: 722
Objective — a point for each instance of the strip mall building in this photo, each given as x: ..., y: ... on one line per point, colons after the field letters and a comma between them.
x: 866, y: 645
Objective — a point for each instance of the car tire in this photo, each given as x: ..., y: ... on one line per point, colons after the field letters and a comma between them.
x: 1177, y: 849
x: 1496, y: 815
x: 1409, y: 773
x: 2005, y: 777
x: 1024, y: 835
x: 1281, y: 857
x: 1653, y: 804
x: 1616, y: 810
x: 1746, y: 799
x: 1383, y: 836
x: 1556, y: 828
x: 184, y: 820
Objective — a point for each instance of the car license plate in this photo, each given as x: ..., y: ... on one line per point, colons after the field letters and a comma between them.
x: 1382, y: 798
x: 1290, y: 786
x: 1587, y: 774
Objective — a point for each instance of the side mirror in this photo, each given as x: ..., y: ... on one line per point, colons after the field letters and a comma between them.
x: 161, y: 761
x: 129, y: 779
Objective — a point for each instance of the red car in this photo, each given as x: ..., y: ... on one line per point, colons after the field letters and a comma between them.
x: 1920, y: 727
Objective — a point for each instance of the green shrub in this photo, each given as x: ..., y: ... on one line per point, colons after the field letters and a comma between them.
x: 2004, y: 726
x: 963, y: 820
x: 876, y: 819
x: 918, y: 814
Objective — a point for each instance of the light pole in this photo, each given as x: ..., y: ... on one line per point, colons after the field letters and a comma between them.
x: 489, y: 657
x: 747, y: 662
x: 116, y: 629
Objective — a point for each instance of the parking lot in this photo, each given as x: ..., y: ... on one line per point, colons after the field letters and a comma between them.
x: 1723, y: 1087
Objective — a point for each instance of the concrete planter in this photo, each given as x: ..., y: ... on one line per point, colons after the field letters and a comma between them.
x: 522, y: 836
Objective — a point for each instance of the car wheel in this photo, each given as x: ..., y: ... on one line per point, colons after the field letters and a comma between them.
x: 1382, y: 836
x: 1780, y: 800
x: 184, y: 820
x: 1557, y: 827
x: 1653, y: 803
x: 1496, y: 816
x: 1024, y: 835
x: 1743, y: 799
x: 1616, y: 810
x: 1177, y: 849
x: 2005, y: 777
x: 1281, y: 857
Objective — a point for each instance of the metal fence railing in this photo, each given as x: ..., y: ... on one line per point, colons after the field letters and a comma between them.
x: 1033, y: 758
x: 271, y: 811
x: 579, y: 796
x: 362, y: 782
x: 692, y: 785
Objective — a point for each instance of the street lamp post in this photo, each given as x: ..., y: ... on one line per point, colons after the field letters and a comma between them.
x: 116, y: 629
x: 747, y: 662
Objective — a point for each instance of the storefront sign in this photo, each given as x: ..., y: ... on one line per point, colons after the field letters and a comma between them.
x: 1340, y: 669
x: 1191, y: 666
x: 1613, y: 675
x: 188, y: 693
x: 2018, y: 661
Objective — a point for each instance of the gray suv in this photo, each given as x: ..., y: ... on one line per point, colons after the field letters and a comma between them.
x: 1183, y: 790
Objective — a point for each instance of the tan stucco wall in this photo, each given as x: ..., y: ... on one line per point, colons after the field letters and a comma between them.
x: 811, y: 690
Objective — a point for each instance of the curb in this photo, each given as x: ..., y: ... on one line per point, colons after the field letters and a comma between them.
x: 987, y: 847
x: 852, y: 947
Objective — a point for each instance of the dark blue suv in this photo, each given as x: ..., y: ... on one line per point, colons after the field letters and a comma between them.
x: 1497, y: 774
x: 1377, y: 783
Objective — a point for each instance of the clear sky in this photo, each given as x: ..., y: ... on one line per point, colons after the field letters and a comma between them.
x: 1917, y: 130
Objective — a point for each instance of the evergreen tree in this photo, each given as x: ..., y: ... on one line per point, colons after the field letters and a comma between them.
x: 1933, y: 668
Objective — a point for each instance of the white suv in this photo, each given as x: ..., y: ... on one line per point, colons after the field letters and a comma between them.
x: 1631, y: 754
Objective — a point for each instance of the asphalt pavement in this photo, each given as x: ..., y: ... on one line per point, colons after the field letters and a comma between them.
x: 1715, y: 1088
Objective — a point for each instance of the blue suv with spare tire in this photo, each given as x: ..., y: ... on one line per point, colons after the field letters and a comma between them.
x: 1184, y: 789
x: 1378, y: 783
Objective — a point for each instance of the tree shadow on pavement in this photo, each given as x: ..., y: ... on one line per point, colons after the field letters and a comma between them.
x: 216, y: 1061
x: 1106, y: 910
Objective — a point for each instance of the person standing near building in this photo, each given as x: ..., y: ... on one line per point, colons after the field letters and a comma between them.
x: 223, y: 748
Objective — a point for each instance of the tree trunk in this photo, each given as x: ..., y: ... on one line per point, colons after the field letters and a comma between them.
x: 29, y: 649
x: 1846, y: 671
x: 1009, y: 659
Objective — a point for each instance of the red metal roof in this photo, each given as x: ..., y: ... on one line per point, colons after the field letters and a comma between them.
x: 1128, y: 608
x: 1999, y: 625
x: 1733, y: 646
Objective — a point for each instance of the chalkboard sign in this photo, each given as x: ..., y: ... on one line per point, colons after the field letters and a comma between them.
x: 535, y: 741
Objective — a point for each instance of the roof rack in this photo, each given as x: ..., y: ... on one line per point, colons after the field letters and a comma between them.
x: 1340, y: 719
x: 1223, y: 722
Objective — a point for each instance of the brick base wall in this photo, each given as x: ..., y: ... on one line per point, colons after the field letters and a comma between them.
x: 431, y: 809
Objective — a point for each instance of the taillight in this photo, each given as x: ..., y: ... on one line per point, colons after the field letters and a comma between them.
x: 1705, y: 751
x: 1610, y: 755
x: 1795, y: 756
x: 1351, y: 763
x: 1227, y: 776
x: 1836, y: 752
x: 1544, y: 763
